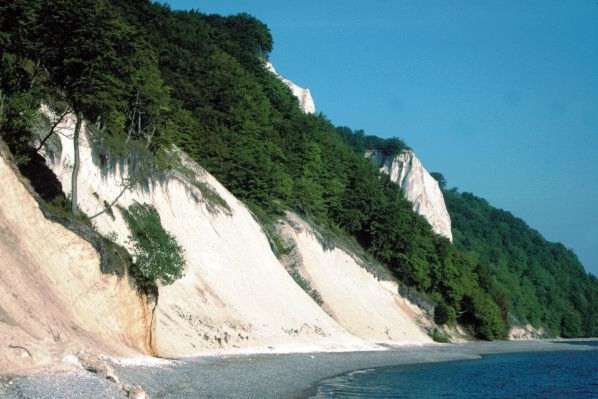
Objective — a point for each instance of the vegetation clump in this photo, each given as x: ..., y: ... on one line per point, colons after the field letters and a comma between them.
x: 444, y: 314
x: 156, y: 253
x: 439, y: 336
x: 362, y: 142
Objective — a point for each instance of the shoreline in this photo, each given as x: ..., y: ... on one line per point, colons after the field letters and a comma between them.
x: 469, y: 351
x: 264, y: 376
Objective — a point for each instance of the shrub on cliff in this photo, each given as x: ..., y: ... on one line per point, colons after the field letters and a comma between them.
x: 444, y: 314
x: 157, y: 255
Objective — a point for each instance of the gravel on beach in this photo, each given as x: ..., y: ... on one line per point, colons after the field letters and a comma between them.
x: 61, y: 386
x: 275, y: 376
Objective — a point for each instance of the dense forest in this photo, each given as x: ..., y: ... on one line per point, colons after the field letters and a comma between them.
x: 148, y: 78
x: 545, y: 283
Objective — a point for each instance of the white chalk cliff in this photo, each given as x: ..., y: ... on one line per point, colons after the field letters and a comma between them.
x: 367, y: 307
x: 419, y: 187
x: 306, y: 102
x: 234, y: 294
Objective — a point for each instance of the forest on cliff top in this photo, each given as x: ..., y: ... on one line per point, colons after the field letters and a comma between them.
x: 147, y: 77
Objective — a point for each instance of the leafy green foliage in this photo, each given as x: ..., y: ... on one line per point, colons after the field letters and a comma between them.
x: 362, y: 142
x: 544, y: 283
x: 439, y: 177
x: 83, y: 47
x: 84, y: 53
x: 19, y: 103
x: 444, y: 314
x: 157, y: 255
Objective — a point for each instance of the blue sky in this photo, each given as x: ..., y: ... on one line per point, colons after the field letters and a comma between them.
x: 499, y: 96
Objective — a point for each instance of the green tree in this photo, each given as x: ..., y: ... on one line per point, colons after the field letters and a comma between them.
x: 84, y: 47
x: 440, y: 179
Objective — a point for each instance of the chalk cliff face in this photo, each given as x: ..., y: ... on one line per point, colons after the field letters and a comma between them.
x: 54, y: 300
x: 419, y: 187
x: 367, y: 307
x: 306, y: 102
x: 235, y: 295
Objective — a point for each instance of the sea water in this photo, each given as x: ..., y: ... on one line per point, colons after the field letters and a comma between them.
x: 570, y: 375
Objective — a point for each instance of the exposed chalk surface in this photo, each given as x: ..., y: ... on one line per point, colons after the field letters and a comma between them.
x: 306, y: 101
x: 234, y: 295
x: 419, y: 187
x: 367, y: 307
x: 54, y: 301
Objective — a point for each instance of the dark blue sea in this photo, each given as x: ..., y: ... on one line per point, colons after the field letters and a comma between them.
x: 570, y: 375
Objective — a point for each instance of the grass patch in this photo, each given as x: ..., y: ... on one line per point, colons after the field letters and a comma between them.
x: 268, y: 224
x: 305, y: 285
x: 60, y: 207
x: 284, y: 251
x: 213, y: 201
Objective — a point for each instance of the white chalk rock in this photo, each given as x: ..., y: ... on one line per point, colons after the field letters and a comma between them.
x: 366, y: 306
x: 419, y: 187
x: 306, y: 102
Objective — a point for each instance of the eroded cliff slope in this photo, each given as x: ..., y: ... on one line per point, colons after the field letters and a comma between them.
x: 234, y: 294
x: 53, y: 298
x: 366, y: 306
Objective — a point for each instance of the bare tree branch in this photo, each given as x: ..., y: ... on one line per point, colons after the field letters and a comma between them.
x: 110, y: 205
x: 54, y: 126
x: 135, y: 129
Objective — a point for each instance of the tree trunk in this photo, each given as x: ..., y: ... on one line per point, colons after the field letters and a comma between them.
x: 77, y: 161
x: 1, y: 108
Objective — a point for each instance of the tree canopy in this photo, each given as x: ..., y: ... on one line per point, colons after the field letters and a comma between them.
x: 544, y: 282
